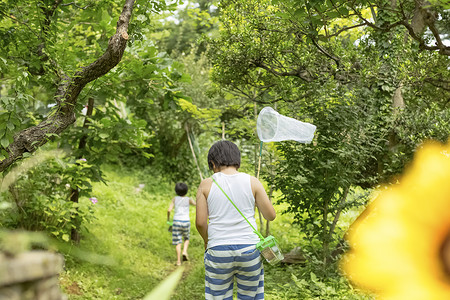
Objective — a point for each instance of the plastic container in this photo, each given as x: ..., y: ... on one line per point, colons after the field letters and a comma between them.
x: 170, y: 226
x: 270, y: 250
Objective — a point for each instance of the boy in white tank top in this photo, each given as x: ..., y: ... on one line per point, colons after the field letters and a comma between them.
x: 181, y: 223
x: 230, y: 242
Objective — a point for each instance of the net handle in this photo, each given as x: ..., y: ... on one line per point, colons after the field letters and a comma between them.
x: 254, y: 230
x: 259, y: 160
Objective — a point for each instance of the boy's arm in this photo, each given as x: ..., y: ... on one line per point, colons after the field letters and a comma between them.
x: 201, y: 213
x: 172, y: 204
x: 262, y: 200
x: 192, y: 202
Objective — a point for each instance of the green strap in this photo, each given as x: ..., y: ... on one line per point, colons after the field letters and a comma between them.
x: 254, y: 230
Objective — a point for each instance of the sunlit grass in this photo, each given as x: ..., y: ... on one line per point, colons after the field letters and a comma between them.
x: 130, y: 227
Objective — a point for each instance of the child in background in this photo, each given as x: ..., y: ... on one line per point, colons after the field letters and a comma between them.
x: 230, y: 242
x: 181, y: 222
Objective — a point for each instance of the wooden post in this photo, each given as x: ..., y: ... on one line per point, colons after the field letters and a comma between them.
x: 223, y: 130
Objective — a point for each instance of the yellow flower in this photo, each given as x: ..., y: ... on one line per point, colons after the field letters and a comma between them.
x: 400, y: 245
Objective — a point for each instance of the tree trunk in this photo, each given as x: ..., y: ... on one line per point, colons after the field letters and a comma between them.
x: 74, y: 233
x: 74, y: 192
x: 326, y: 240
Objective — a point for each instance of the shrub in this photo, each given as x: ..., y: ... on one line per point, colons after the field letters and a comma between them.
x: 40, y: 198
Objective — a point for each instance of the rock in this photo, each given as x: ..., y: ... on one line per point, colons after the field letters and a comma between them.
x: 295, y: 256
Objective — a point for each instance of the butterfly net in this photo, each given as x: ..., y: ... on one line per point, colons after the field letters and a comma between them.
x: 273, y: 127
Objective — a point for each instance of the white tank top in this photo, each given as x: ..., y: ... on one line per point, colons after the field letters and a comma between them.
x: 226, y: 225
x: 181, y: 209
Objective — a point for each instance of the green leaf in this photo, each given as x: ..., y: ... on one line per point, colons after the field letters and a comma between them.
x: 4, y: 142
x: 333, y: 14
x: 106, y: 122
x: 300, y: 12
x: 141, y: 18
x: 164, y: 63
x: 313, y: 277
x: 106, y: 18
x: 151, y: 51
x: 51, y: 135
x: 323, y: 38
x: 343, y: 10
x: 65, y: 237
x: 185, y: 78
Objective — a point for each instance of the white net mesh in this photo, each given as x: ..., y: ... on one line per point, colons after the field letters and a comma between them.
x: 273, y: 127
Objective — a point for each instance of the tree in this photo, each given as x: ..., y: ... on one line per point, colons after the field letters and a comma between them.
x: 68, y: 84
x: 357, y: 71
x: 67, y: 35
x: 182, y: 32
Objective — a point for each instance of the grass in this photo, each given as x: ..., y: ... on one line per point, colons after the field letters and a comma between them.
x: 131, y: 252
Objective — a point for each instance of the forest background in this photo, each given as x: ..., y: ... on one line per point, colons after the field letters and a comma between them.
x: 92, y: 91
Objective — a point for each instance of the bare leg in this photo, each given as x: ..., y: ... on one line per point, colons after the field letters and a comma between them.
x: 178, y: 249
x: 185, y: 247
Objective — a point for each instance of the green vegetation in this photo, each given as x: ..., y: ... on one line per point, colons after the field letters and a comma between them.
x: 97, y: 97
x: 130, y: 230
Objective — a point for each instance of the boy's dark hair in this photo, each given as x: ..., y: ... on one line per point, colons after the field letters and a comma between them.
x: 224, y: 153
x: 181, y: 188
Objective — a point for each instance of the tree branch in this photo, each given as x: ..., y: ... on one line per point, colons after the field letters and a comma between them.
x: 76, y: 5
x: 414, y: 29
x: 345, y: 29
x: 19, y: 22
x: 439, y: 83
x: 302, y: 74
x: 338, y: 213
x: 29, y: 139
x: 324, y: 52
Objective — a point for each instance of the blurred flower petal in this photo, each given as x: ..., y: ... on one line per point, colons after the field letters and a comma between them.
x: 396, y: 243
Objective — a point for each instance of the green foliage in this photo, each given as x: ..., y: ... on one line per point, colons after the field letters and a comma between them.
x: 43, y: 43
x: 363, y: 89
x: 131, y: 230
x: 312, y: 60
x: 316, y: 182
x: 40, y: 199
x: 111, y: 133
x: 180, y: 33
x: 292, y: 283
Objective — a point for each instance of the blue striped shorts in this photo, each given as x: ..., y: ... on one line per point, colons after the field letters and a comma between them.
x: 180, y: 230
x: 225, y: 263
